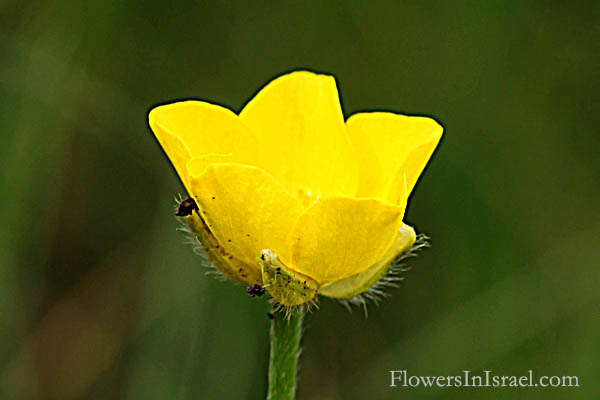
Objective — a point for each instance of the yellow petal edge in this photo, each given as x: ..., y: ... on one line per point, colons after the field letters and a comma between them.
x: 192, y: 129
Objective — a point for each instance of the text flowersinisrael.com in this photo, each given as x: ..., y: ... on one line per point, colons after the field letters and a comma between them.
x: 401, y: 378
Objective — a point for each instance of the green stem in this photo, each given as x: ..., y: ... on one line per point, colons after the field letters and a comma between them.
x: 285, y: 342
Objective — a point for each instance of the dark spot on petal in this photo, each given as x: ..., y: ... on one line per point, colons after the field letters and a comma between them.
x: 270, y: 315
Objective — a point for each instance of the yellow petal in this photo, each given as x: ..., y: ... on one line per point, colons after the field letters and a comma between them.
x: 339, y: 237
x: 246, y: 209
x: 202, y: 128
x: 390, y: 146
x: 302, y: 136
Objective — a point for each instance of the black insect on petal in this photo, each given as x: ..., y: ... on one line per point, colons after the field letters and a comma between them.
x: 270, y: 315
x: 186, y: 207
x: 256, y: 290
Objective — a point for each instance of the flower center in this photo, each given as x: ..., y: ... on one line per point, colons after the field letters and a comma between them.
x: 307, y: 196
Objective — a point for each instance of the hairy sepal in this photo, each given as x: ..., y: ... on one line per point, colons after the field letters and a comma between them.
x: 286, y: 286
x: 226, y: 263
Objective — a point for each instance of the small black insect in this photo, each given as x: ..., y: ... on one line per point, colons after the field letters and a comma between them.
x: 256, y: 290
x: 270, y: 315
x: 186, y: 207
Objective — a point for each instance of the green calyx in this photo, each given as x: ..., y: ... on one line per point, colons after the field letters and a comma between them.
x: 287, y: 287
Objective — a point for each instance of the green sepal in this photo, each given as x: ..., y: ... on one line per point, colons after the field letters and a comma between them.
x: 287, y: 287
x: 354, y: 285
x: 223, y: 261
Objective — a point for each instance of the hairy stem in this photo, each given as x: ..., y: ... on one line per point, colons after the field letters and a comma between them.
x: 285, y: 343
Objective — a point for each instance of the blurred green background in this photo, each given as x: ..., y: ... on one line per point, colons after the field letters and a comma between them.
x: 100, y: 298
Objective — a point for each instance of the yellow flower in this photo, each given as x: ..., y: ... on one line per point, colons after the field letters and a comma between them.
x: 292, y: 197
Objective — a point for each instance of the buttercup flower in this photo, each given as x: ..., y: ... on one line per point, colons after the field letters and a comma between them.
x: 289, y: 196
